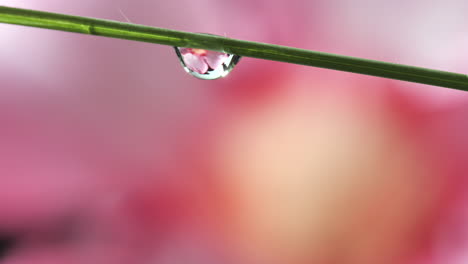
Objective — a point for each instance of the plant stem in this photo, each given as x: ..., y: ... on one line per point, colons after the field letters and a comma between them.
x: 265, y: 51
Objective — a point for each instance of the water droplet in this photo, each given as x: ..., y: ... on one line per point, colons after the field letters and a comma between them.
x: 206, y: 64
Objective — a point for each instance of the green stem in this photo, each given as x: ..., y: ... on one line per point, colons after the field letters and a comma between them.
x: 163, y: 36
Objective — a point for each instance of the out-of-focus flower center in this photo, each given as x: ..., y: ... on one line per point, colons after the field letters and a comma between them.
x: 200, y: 52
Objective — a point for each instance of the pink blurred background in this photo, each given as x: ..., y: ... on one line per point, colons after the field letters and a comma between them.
x: 111, y: 153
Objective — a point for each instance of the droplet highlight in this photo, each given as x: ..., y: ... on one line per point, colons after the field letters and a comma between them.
x: 206, y: 64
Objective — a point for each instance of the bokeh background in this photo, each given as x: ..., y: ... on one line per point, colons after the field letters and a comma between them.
x: 111, y: 153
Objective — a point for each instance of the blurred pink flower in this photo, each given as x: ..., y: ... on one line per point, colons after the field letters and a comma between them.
x: 200, y: 61
x: 110, y: 154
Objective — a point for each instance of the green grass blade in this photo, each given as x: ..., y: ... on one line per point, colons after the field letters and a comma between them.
x: 115, y: 29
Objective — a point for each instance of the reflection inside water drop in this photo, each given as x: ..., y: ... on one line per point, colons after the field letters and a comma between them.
x: 206, y: 64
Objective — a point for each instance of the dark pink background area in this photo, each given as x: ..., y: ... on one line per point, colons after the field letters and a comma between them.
x: 105, y: 143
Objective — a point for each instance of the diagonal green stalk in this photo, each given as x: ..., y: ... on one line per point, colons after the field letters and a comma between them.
x: 115, y: 29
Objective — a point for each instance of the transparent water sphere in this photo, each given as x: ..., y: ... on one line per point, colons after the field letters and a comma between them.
x: 206, y: 64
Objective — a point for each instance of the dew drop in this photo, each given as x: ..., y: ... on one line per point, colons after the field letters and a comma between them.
x: 206, y: 64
